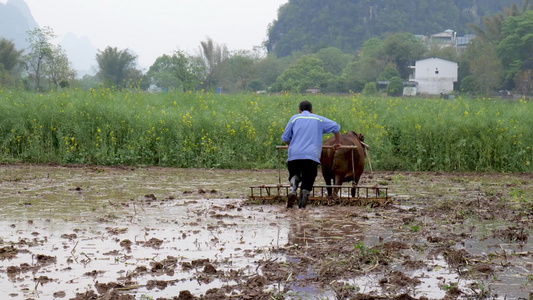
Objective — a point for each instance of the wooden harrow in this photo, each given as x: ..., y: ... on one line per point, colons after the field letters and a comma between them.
x: 364, y: 195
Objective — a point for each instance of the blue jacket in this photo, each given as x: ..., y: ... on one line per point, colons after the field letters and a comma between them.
x: 304, y: 132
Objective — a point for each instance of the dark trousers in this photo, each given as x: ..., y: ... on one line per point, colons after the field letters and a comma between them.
x: 306, y: 170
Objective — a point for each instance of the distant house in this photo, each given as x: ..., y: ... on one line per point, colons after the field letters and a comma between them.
x: 447, y: 38
x: 461, y: 42
x: 443, y: 39
x: 434, y: 76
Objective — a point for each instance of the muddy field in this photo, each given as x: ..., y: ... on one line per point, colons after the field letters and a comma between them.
x: 151, y: 233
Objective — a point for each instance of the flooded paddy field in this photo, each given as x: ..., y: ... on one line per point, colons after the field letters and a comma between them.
x: 92, y: 232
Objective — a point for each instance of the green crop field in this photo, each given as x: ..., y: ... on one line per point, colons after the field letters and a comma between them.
x: 130, y: 127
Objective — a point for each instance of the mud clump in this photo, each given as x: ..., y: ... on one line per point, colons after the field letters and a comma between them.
x: 209, y: 269
x: 60, y: 294
x: 456, y: 258
x: 116, y: 231
x: 69, y: 236
x: 186, y: 295
x: 45, y: 259
x: 109, y: 294
x: 8, y: 252
x: 399, y: 279
x: 160, y: 284
x: 12, y: 270
x: 153, y: 242
x: 512, y: 234
x: 125, y: 244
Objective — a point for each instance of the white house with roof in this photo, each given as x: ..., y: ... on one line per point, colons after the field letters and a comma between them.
x: 434, y: 76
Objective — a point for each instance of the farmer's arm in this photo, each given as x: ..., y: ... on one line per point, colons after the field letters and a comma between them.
x: 287, y: 133
x: 337, y: 140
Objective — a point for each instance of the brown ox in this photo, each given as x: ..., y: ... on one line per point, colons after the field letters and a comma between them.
x: 343, y: 165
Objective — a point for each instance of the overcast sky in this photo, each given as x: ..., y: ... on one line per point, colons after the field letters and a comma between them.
x: 152, y: 28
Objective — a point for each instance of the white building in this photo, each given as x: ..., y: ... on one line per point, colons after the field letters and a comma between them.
x: 434, y: 76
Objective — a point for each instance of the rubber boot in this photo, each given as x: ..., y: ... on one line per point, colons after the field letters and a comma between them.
x: 292, y: 197
x: 304, y: 196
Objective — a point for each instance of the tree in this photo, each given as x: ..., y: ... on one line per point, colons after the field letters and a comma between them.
x: 395, y: 86
x: 116, y: 67
x: 484, y: 65
x: 176, y: 71
x: 492, y: 31
x: 9, y: 55
x: 367, y: 67
x: 242, y: 70
x: 307, y: 73
x: 270, y: 68
x: 57, y: 67
x: 403, y: 49
x: 334, y: 60
x: 212, y: 56
x: 469, y: 85
x: 9, y: 61
x: 370, y: 89
x: 389, y: 72
x: 39, y: 50
x: 448, y: 53
x: 524, y: 78
x: 516, y: 45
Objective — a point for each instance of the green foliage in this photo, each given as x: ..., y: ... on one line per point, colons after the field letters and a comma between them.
x: 483, y: 64
x: 367, y: 67
x: 58, y: 69
x: 334, y: 60
x: 40, y: 49
x: 177, y: 71
x: 469, y: 85
x: 114, y: 127
x: 9, y: 55
x: 212, y: 58
x: 389, y: 72
x: 448, y: 53
x: 269, y: 68
x: 403, y: 49
x: 255, y: 85
x: 370, y: 89
x: 395, y: 86
x: 516, y: 45
x: 241, y: 71
x: 117, y: 67
x: 307, y: 73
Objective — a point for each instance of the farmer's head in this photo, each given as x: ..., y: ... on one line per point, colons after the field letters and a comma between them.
x: 306, y: 105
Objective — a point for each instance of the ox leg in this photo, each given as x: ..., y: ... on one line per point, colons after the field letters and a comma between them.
x: 291, y: 198
x: 338, y: 181
x: 354, y: 184
x: 328, y: 183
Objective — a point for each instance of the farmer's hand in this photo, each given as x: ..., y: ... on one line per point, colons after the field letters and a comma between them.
x: 336, y: 146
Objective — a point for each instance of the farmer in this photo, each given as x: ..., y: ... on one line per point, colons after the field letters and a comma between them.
x: 304, y: 134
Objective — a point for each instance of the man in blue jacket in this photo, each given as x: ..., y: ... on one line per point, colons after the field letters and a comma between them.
x: 304, y: 134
